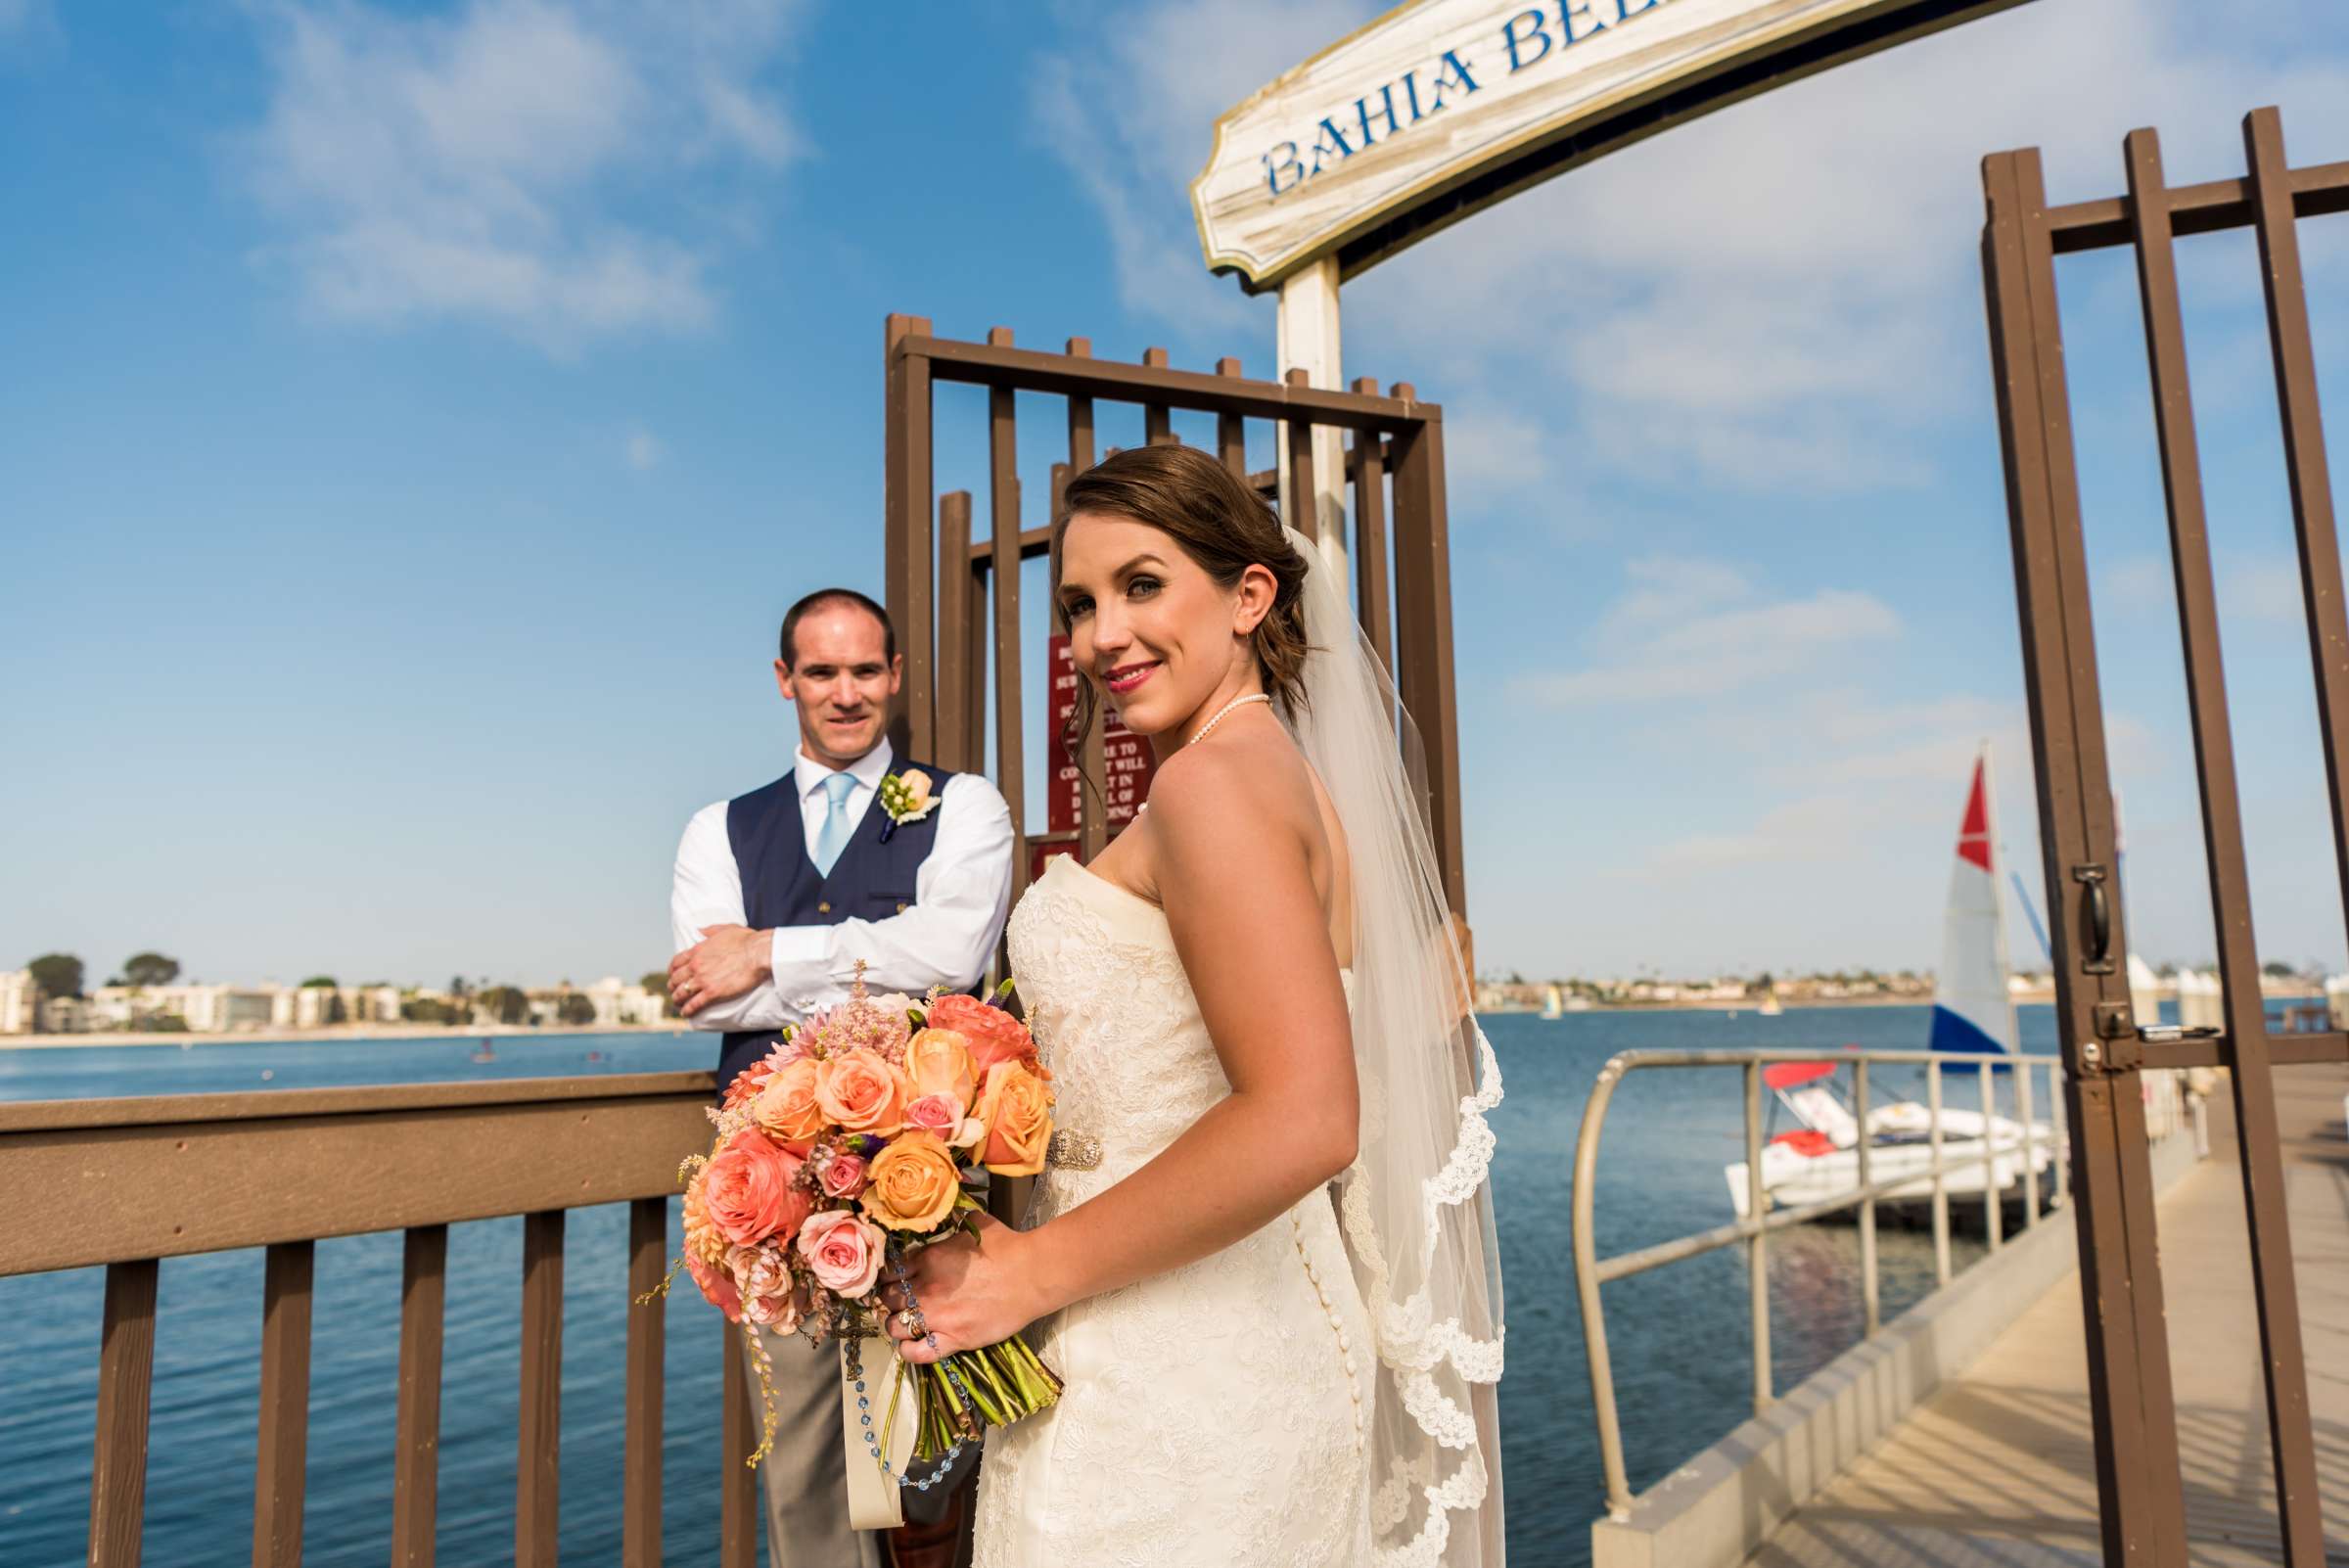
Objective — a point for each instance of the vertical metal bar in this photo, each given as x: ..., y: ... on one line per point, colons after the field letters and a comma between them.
x: 1093, y: 761
x: 1941, y: 1180
x: 2292, y: 1434
x: 416, y: 1465
x: 1423, y: 673
x: 126, y: 1377
x: 1081, y: 418
x: 2140, y: 1499
x: 956, y: 591
x: 738, y: 1500
x: 1308, y: 520
x: 1994, y: 1218
x: 906, y: 533
x: 283, y: 1452
x: 1757, y: 1249
x: 2022, y: 1111
x: 1370, y: 535
x: 648, y: 1334
x: 2303, y: 458
x: 1582, y: 1199
x: 538, y: 1470
x: 1231, y: 430
x: 1003, y: 529
x: 1867, y: 1205
x: 1156, y: 427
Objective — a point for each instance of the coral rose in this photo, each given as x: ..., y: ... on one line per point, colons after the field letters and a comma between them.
x: 1017, y: 1107
x: 716, y: 1283
x: 939, y: 1062
x: 864, y: 1093
x: 936, y: 1113
x: 751, y: 1191
x: 914, y: 1183
x: 990, y: 1033
x: 787, y: 1106
x: 843, y: 1252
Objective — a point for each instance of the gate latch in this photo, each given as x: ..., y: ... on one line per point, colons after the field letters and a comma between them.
x: 2098, y: 909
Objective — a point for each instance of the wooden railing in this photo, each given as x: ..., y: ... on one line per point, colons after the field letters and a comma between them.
x: 125, y: 1183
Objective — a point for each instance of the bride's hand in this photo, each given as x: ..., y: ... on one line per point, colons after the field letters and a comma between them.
x: 973, y: 1292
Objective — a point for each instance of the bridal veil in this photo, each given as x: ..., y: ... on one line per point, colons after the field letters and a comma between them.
x: 1415, y: 1208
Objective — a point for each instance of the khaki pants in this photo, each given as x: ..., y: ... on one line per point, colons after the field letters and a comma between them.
x: 806, y: 1475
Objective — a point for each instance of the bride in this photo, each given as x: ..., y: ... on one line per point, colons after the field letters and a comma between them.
x: 1262, y: 1258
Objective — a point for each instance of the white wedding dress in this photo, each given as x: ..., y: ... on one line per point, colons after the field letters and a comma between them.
x: 1212, y: 1415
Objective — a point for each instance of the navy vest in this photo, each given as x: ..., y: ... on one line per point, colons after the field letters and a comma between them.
x: 872, y: 880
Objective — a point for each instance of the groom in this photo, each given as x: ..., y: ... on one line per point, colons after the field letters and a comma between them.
x: 779, y: 894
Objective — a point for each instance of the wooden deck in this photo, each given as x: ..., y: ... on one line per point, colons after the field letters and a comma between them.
x: 1997, y: 1470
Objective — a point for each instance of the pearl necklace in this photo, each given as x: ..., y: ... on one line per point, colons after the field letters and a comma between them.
x: 1236, y: 702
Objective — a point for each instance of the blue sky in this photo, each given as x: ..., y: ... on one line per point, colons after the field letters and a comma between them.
x: 419, y: 416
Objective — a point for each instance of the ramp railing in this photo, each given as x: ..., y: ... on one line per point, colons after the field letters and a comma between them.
x: 1867, y: 1188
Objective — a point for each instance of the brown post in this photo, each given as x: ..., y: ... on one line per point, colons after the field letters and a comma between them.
x: 648, y: 1336
x: 1308, y: 520
x: 538, y: 1470
x: 2292, y: 1442
x: 2143, y: 1506
x: 906, y: 551
x: 737, y: 1487
x: 416, y: 1445
x: 956, y: 734
x: 125, y: 1376
x: 1424, y: 611
x: 1231, y: 430
x: 1157, y: 426
x: 1003, y: 532
x: 283, y: 1450
x: 2305, y: 465
x: 1370, y: 534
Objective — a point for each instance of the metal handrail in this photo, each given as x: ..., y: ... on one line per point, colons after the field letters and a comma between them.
x: 1591, y: 1272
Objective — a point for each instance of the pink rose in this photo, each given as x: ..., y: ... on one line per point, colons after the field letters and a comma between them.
x: 936, y: 1113
x: 718, y: 1286
x: 843, y: 1252
x: 842, y: 1175
x: 751, y: 1191
x: 864, y: 1093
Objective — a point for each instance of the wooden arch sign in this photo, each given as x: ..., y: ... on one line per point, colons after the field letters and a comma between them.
x: 1440, y: 108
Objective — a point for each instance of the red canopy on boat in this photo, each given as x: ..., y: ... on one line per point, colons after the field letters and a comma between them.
x: 1786, y: 1075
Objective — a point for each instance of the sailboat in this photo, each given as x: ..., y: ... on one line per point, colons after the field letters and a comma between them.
x: 1973, y: 1007
x: 1554, y: 1004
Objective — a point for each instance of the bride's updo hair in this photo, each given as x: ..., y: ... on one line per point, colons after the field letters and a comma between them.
x: 1223, y: 525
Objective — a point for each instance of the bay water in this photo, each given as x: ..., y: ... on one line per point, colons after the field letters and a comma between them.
x: 1679, y: 1336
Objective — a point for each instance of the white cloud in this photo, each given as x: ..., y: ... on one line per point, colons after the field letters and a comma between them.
x: 491, y: 165
x: 2254, y: 588
x: 1692, y: 629
x: 1785, y: 295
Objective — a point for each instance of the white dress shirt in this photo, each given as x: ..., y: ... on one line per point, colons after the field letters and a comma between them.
x: 945, y: 937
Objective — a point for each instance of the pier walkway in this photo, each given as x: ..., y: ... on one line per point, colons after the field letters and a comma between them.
x: 1996, y: 1468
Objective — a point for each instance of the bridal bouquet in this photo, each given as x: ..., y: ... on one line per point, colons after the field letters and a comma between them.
x: 846, y: 1150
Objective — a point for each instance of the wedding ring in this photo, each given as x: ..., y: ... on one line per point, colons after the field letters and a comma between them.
x: 917, y: 1328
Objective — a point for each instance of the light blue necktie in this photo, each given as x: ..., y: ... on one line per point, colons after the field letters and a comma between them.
x: 834, y: 835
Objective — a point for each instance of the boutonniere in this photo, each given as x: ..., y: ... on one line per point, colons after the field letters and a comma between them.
x: 907, y: 798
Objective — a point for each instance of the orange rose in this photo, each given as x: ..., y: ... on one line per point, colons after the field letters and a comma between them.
x: 990, y: 1033
x: 939, y: 1063
x: 913, y: 1184
x: 787, y: 1107
x: 1017, y: 1108
x: 703, y: 1243
x: 863, y: 1092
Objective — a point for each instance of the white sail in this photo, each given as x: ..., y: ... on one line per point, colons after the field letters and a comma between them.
x: 1973, y: 1009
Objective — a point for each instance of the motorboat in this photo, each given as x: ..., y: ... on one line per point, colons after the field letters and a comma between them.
x: 1820, y: 1159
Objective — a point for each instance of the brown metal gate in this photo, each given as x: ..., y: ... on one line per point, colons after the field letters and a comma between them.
x: 2104, y: 1049
x: 956, y: 599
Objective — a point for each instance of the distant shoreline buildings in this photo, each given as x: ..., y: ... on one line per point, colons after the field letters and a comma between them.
x: 269, y: 1007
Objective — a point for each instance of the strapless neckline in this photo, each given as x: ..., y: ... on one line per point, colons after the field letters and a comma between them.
x: 1093, y: 878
